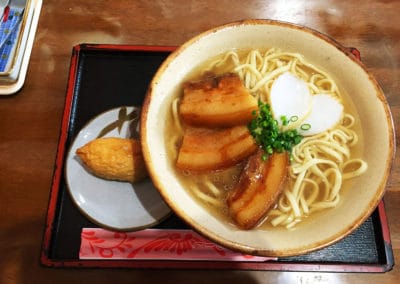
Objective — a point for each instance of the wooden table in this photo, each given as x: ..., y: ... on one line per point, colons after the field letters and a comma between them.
x: 30, y: 119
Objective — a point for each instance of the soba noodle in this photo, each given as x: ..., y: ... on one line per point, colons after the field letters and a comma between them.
x: 320, y: 163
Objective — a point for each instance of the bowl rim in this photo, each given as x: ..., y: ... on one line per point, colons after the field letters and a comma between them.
x: 240, y: 247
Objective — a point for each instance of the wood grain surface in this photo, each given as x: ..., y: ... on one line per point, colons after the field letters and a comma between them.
x: 30, y: 119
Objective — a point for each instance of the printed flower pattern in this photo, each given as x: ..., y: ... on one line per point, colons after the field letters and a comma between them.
x: 177, y: 243
x: 98, y: 243
x: 106, y: 248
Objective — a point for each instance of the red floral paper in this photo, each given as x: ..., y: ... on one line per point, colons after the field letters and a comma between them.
x: 98, y: 243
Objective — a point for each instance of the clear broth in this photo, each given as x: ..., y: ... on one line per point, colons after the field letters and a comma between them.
x: 226, y: 180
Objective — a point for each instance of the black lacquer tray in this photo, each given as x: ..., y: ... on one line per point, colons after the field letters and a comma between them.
x: 106, y: 76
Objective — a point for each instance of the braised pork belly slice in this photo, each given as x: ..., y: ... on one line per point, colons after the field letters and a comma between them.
x: 217, y: 102
x: 204, y: 149
x: 249, y: 181
x: 259, y: 186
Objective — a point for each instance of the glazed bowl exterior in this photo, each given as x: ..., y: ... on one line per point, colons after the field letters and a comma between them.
x: 357, y: 202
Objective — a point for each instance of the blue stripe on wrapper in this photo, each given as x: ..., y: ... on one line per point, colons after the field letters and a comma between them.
x: 9, y: 31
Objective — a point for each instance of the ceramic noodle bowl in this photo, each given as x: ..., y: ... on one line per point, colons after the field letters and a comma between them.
x: 357, y: 201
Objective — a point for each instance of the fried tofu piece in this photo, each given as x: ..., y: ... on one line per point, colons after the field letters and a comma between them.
x: 217, y: 102
x: 114, y: 158
x: 206, y: 149
x: 259, y: 187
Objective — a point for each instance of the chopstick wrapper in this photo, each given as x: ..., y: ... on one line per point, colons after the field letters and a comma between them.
x: 160, y: 244
x: 9, y: 29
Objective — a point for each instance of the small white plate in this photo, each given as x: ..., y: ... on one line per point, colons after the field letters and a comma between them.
x: 112, y: 204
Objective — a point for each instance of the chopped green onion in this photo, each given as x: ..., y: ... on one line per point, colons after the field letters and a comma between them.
x: 305, y: 126
x: 265, y: 130
x: 284, y: 120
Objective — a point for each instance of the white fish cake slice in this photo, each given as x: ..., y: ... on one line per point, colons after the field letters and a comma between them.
x: 290, y: 97
x: 326, y: 112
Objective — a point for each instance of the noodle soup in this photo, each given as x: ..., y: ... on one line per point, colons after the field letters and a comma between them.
x: 321, y: 165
